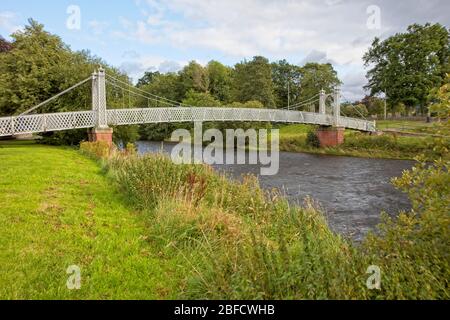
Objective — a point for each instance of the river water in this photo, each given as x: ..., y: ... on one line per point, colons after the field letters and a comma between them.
x: 352, y: 191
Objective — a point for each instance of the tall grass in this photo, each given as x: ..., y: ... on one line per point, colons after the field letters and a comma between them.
x: 236, y: 241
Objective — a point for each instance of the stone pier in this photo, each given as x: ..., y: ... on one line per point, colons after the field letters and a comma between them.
x: 101, y: 134
x: 330, y: 136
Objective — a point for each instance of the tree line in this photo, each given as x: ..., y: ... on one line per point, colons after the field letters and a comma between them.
x: 256, y: 83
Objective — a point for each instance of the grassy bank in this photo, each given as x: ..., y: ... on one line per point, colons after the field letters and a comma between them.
x: 58, y: 209
x: 293, y: 138
x: 143, y: 227
x: 240, y: 242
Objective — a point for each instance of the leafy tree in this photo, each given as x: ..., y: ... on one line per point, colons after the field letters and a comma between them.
x: 125, y: 134
x: 315, y: 77
x: 253, y: 104
x: 355, y: 111
x: 219, y: 81
x: 5, y: 46
x: 147, y: 78
x: 252, y: 80
x: 286, y: 78
x: 200, y: 99
x: 38, y: 66
x: 441, y: 99
x: 193, y: 77
x: 163, y: 85
x: 408, y: 65
x: 374, y: 105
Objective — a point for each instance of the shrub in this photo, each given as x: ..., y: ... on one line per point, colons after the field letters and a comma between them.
x: 413, y: 249
x: 312, y: 139
x: 97, y: 150
x: 131, y: 149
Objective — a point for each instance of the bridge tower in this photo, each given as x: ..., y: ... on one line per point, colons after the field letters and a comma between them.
x: 322, y: 99
x: 330, y: 136
x: 101, y: 131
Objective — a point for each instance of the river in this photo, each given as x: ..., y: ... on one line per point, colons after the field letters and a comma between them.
x: 352, y: 191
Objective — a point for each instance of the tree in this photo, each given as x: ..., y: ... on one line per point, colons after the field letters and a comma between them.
x: 193, y: 77
x: 163, y: 85
x: 40, y: 65
x: 147, y: 78
x: 219, y: 81
x: 441, y: 100
x: 200, y: 99
x: 286, y: 79
x: 408, y: 65
x: 252, y: 104
x: 5, y: 46
x: 315, y: 77
x: 374, y: 105
x: 355, y: 111
x: 252, y: 80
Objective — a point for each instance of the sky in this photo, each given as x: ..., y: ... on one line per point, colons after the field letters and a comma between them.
x: 150, y: 35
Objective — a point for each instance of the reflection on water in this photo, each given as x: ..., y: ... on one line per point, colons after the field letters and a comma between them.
x: 352, y: 191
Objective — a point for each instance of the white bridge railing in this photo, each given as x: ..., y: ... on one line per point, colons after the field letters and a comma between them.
x: 47, y: 122
x: 101, y: 117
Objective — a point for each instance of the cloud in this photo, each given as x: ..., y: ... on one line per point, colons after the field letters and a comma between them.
x: 334, y: 31
x: 169, y: 66
x: 137, y: 65
x: 242, y: 28
x: 316, y: 56
x: 97, y: 27
x: 130, y: 54
x: 8, y: 22
x: 353, y: 85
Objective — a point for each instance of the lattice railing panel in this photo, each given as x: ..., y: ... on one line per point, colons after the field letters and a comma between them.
x: 46, y: 122
x: 5, y: 126
x: 28, y: 124
x: 156, y: 115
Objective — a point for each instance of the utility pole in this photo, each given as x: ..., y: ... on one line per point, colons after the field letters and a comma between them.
x: 385, y: 98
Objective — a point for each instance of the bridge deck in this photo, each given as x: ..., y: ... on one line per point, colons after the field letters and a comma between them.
x: 47, y: 122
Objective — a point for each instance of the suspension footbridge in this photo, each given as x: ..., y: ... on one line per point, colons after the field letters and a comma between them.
x: 102, y: 117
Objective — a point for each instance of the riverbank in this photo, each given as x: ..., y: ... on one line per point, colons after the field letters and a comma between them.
x: 143, y: 227
x: 293, y: 138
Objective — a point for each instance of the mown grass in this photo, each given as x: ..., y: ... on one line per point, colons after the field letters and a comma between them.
x: 57, y: 209
x: 409, y: 126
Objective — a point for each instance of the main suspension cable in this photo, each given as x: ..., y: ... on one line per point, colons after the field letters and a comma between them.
x: 55, y: 96
x: 137, y: 94
x: 173, y: 102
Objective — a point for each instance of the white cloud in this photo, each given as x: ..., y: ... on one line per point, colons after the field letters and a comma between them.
x: 332, y: 31
x: 316, y: 56
x: 136, y: 65
x: 353, y: 83
x: 98, y: 27
x: 8, y: 22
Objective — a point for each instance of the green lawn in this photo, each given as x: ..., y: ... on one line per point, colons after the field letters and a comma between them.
x: 57, y: 209
x: 408, y: 126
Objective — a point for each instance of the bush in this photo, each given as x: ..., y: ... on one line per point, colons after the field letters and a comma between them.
x: 97, y: 150
x: 312, y: 139
x: 413, y: 249
x: 125, y: 134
